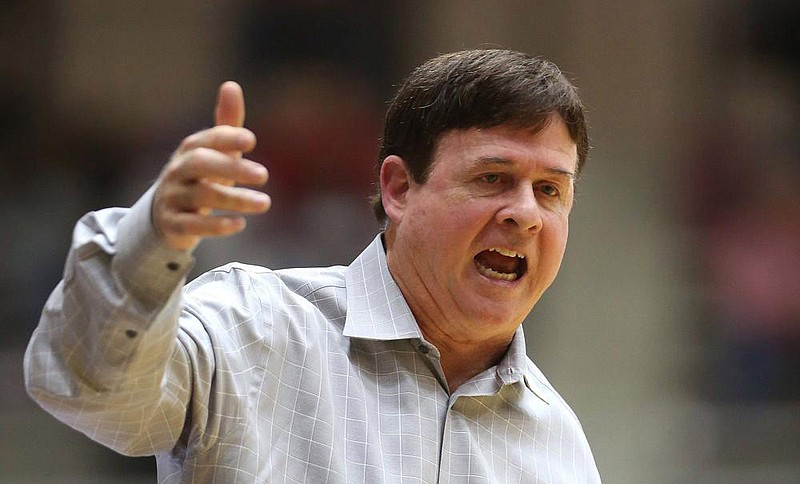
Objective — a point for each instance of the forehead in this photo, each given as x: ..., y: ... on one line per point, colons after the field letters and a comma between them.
x: 550, y: 147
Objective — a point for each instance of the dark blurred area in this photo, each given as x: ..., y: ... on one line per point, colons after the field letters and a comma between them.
x: 745, y: 208
x: 674, y: 327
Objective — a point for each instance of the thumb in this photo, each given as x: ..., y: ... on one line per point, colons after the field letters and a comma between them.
x: 230, y: 105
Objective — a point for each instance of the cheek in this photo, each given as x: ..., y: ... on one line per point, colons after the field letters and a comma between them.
x: 563, y: 233
x: 453, y: 219
x: 555, y: 239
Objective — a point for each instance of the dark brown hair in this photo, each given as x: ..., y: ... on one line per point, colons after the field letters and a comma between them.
x: 475, y: 89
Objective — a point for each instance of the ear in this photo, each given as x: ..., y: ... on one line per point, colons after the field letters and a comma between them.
x: 395, y: 182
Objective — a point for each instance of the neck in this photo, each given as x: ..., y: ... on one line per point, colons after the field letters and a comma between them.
x: 462, y: 360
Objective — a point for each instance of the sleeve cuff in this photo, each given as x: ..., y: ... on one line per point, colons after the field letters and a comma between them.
x: 146, y: 266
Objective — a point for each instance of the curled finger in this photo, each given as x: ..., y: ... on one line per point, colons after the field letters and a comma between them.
x: 216, y: 196
x: 186, y: 224
x: 200, y: 163
x: 221, y: 138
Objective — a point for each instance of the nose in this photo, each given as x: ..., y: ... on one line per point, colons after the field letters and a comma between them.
x: 521, y: 210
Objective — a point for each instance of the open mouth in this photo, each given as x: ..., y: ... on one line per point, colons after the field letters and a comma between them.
x: 501, y: 264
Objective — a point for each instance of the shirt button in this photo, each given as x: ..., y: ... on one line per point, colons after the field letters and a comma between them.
x: 424, y: 349
x: 173, y: 266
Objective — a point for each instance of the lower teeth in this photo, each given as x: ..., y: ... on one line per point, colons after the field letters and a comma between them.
x: 493, y: 274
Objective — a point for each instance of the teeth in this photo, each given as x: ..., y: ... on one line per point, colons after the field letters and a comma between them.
x: 491, y: 273
x: 506, y: 252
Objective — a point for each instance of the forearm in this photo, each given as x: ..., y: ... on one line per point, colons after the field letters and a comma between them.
x: 106, y: 349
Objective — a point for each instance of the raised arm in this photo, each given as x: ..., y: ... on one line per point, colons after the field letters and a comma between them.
x: 109, y: 357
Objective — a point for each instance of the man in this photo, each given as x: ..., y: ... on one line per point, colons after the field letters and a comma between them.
x: 407, y: 366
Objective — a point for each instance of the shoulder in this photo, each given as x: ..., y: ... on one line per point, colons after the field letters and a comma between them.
x: 309, y: 281
x: 246, y: 286
x: 541, y: 385
x: 295, y: 279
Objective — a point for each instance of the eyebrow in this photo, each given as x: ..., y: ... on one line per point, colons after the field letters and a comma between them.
x: 496, y: 160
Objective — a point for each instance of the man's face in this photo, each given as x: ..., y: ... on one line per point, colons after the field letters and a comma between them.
x: 478, y: 243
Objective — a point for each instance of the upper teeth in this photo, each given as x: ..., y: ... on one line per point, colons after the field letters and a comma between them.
x: 506, y: 252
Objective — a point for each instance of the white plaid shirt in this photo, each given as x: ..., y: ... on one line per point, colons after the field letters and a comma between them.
x: 250, y: 375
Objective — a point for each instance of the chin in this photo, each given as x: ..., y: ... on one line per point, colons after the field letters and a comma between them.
x: 499, y: 319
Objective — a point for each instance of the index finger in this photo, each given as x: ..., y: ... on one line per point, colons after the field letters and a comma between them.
x: 221, y: 138
x: 230, y: 105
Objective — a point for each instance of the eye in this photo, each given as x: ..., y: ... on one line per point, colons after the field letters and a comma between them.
x: 491, y: 178
x: 549, y: 190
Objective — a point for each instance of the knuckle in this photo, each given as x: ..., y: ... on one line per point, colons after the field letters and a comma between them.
x: 170, y: 197
x: 218, y: 227
x: 194, y: 157
x: 175, y: 227
x: 172, y: 168
x: 200, y: 153
x: 189, y: 141
x: 180, y: 167
x: 204, y: 192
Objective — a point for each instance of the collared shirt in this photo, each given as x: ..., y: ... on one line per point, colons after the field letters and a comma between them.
x: 250, y: 375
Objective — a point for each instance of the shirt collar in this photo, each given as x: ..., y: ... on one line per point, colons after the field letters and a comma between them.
x: 514, y: 364
x: 376, y: 308
x: 516, y: 367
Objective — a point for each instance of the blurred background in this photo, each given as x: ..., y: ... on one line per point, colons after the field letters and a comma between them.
x: 674, y: 327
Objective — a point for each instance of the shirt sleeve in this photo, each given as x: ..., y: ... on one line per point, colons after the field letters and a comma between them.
x: 106, y: 358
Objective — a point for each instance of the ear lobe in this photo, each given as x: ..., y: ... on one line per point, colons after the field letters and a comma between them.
x: 395, y: 181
